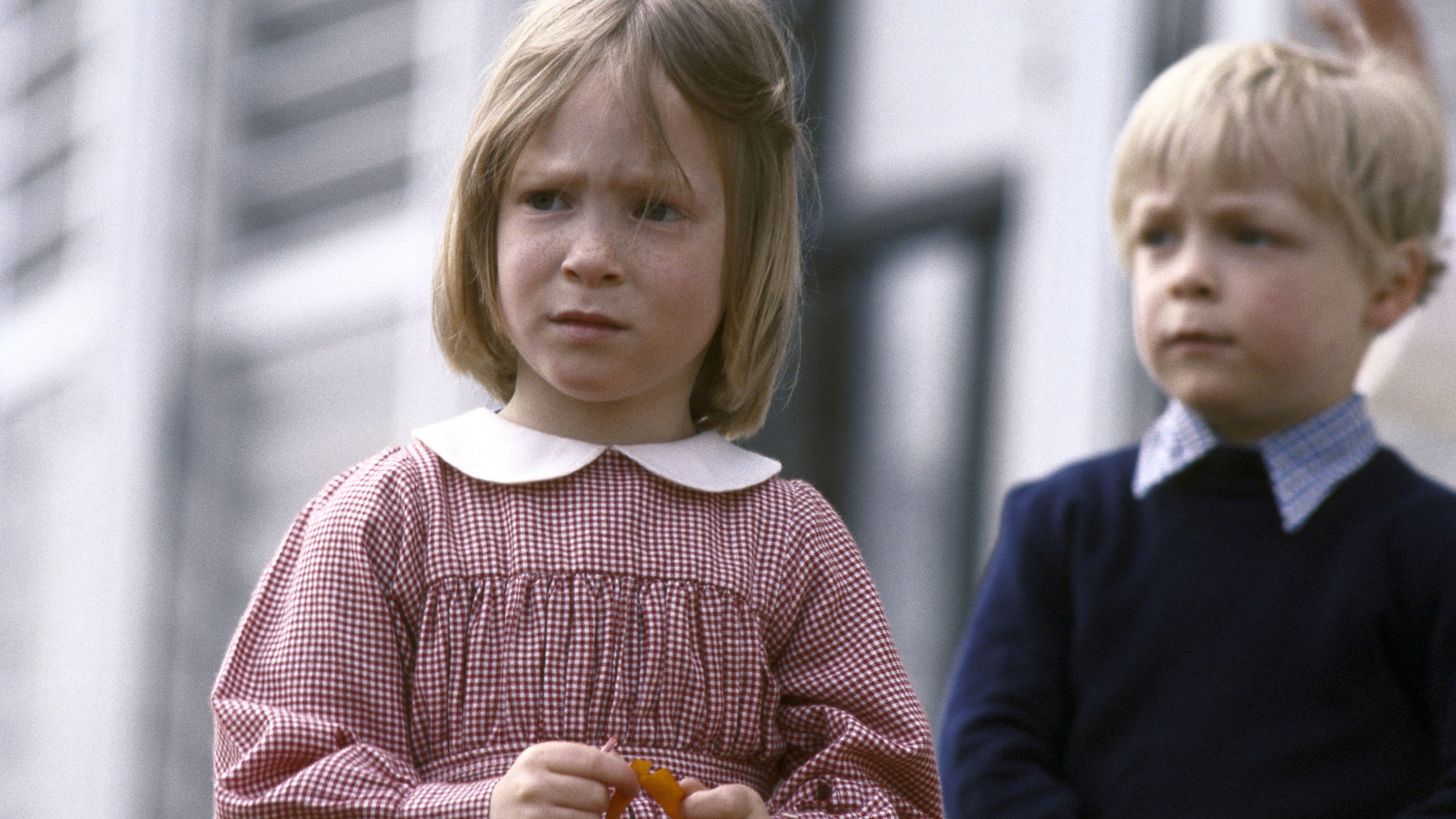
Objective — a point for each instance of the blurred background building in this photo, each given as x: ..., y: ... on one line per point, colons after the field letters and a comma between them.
x: 217, y: 225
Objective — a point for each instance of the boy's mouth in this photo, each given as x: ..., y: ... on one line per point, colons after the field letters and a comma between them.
x: 1197, y: 339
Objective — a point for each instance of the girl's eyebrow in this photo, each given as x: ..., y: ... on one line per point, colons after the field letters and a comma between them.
x: 539, y: 171
x: 661, y: 181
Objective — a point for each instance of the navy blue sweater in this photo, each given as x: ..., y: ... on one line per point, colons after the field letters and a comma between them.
x: 1181, y: 655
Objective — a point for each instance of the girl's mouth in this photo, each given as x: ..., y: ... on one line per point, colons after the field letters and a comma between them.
x: 585, y: 324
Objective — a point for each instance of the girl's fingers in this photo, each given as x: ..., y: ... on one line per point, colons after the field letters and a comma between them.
x: 563, y: 792
x: 567, y: 775
x: 574, y: 759
x: 724, y: 802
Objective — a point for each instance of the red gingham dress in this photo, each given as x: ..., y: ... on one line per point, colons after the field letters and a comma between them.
x: 420, y: 627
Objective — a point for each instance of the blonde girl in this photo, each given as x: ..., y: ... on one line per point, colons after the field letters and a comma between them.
x: 494, y: 618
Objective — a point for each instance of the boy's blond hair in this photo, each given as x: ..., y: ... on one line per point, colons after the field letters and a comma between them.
x: 730, y: 61
x: 1361, y: 140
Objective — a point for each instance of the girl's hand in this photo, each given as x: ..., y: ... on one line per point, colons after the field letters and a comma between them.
x: 560, y: 780
x: 723, y: 802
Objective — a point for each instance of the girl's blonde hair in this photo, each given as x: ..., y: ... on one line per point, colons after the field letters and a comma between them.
x: 1358, y: 139
x: 730, y: 61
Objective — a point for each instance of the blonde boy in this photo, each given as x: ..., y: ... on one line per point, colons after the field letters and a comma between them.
x: 1253, y: 612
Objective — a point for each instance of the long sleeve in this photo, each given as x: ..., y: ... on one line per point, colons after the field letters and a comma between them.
x: 1441, y: 699
x: 1008, y: 703
x: 311, y: 705
x: 1430, y: 575
x: 857, y: 740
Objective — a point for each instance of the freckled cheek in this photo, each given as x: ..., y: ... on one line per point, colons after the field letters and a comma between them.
x: 690, y: 278
x: 524, y: 253
x: 515, y: 289
x: 521, y: 267
x: 696, y: 308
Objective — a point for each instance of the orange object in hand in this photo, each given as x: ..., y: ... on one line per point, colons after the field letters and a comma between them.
x: 659, y: 783
x: 618, y: 804
x: 661, y: 786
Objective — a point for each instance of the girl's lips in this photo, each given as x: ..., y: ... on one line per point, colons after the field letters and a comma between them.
x: 586, y: 317
x: 586, y: 325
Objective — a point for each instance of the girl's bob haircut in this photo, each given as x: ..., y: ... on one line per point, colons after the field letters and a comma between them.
x: 1357, y: 139
x: 730, y: 61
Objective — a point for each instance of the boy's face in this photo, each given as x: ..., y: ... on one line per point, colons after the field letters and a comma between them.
x: 1249, y: 307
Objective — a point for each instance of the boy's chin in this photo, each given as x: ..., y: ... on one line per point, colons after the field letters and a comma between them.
x: 1236, y: 417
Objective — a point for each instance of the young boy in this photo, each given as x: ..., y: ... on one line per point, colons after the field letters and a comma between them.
x: 1253, y: 612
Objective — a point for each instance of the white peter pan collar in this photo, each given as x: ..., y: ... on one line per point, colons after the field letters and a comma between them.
x: 484, y: 445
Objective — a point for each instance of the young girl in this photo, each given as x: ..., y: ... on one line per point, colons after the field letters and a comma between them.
x: 494, y: 618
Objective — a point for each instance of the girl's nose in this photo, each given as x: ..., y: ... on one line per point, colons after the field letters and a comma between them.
x: 595, y: 255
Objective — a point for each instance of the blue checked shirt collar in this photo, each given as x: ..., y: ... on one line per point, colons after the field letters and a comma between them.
x: 1305, y: 462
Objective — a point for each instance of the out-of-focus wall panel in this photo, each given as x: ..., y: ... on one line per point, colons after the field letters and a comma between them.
x: 929, y: 89
x: 909, y: 473
x: 35, y: 487
x: 267, y: 434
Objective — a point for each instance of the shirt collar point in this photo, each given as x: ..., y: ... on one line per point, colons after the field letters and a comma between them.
x: 1305, y: 462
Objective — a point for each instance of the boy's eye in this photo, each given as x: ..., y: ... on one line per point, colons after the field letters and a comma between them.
x: 658, y: 211
x: 1154, y: 237
x: 545, y: 200
x: 1251, y: 237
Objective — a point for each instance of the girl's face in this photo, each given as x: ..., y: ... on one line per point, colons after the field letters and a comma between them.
x: 1249, y: 307
x: 610, y: 265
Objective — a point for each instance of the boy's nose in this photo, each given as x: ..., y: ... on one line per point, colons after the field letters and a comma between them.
x: 594, y: 254
x: 1194, y: 275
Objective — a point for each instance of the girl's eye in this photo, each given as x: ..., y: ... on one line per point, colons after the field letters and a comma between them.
x: 545, y: 200
x: 658, y: 211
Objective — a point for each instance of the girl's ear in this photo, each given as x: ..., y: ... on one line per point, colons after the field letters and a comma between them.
x: 1401, y: 280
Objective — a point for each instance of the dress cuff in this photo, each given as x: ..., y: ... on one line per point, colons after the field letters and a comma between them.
x: 467, y: 800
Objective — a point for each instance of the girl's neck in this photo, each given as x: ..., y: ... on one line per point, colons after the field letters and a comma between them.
x: 599, y: 422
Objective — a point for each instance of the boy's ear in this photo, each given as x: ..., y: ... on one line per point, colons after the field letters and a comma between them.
x: 1401, y: 279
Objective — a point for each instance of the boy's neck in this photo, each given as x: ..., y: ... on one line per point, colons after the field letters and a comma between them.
x: 1252, y: 432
